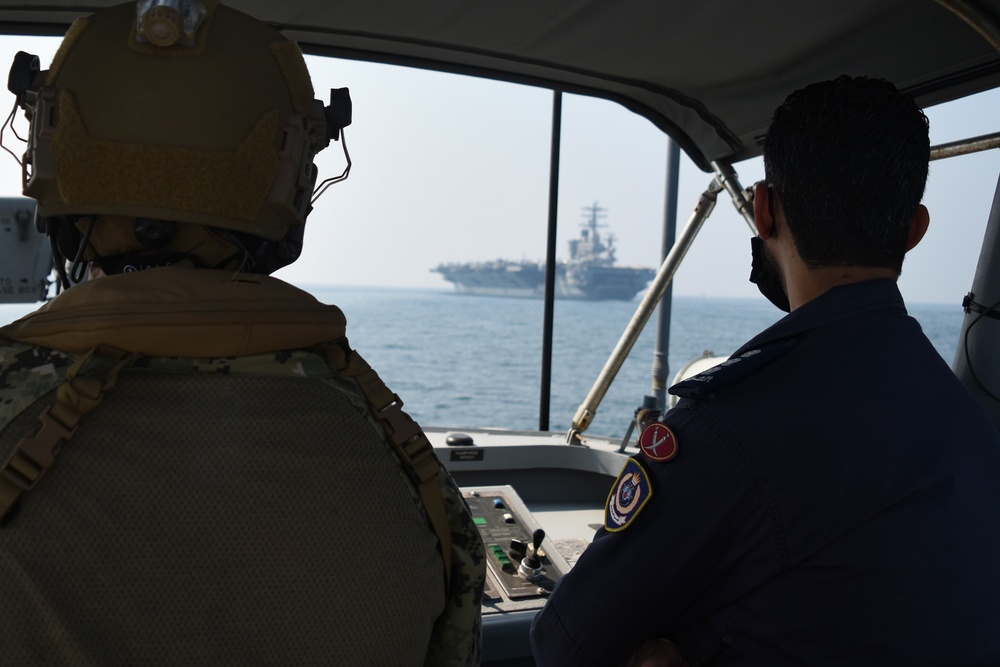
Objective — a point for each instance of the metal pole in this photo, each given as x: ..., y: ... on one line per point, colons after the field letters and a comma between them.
x: 977, y: 356
x: 661, y: 361
x: 977, y: 19
x: 585, y: 413
x: 550, y: 266
x: 744, y: 205
x: 965, y: 146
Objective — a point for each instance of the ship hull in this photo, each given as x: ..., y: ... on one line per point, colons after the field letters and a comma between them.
x: 516, y: 292
x: 603, y: 283
x: 528, y: 281
x: 499, y: 278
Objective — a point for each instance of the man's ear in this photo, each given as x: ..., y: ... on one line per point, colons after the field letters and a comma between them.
x: 918, y: 226
x: 762, y: 208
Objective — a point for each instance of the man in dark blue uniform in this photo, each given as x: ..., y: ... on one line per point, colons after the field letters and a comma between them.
x: 831, y: 494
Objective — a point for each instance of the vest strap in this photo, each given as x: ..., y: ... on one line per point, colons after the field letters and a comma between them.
x: 77, y: 395
x: 405, y: 436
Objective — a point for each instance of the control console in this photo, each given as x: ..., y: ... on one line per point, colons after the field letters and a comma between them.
x: 522, y: 564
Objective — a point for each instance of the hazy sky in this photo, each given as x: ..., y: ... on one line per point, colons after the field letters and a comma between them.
x: 450, y: 168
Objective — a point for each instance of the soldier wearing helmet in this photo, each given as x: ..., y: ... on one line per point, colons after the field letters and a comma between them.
x: 199, y: 469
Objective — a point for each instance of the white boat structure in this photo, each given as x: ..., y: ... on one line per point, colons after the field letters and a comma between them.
x: 707, y: 75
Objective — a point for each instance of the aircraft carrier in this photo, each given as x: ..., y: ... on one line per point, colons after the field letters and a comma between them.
x: 590, y: 273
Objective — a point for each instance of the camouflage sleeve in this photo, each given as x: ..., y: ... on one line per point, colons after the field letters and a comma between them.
x: 26, y: 374
x: 457, y: 638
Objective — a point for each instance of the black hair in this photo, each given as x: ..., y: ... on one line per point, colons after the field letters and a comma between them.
x: 848, y: 158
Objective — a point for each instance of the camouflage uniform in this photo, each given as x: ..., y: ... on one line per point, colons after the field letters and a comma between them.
x: 227, y: 496
x: 46, y: 622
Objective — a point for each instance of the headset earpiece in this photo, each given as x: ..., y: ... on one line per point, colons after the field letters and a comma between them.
x: 65, y: 234
x: 152, y: 234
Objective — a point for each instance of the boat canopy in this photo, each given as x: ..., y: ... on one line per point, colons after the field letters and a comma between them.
x: 708, y: 73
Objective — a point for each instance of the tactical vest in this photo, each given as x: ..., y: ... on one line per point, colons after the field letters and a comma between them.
x: 74, y: 385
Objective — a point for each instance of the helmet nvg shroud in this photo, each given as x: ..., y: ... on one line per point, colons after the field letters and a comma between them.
x: 177, y: 110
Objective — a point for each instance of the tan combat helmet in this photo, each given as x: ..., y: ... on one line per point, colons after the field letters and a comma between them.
x: 177, y: 110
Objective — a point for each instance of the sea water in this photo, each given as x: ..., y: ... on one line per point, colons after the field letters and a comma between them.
x: 474, y: 361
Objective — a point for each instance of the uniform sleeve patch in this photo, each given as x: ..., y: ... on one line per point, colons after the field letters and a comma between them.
x: 658, y: 442
x: 630, y: 493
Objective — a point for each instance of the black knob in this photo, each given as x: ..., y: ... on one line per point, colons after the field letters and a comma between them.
x: 536, y: 539
x: 533, y: 561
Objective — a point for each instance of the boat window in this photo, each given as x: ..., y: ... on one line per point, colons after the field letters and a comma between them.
x: 452, y: 169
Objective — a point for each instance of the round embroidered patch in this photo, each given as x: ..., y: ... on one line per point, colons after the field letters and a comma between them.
x: 628, y: 496
x: 658, y: 442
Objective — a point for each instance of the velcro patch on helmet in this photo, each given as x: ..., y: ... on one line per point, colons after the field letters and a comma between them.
x: 114, y: 176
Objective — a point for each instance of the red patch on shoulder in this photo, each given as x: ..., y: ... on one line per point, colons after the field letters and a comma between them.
x: 658, y: 442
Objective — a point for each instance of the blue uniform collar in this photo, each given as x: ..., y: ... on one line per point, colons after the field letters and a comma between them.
x: 835, y: 305
x: 832, y: 308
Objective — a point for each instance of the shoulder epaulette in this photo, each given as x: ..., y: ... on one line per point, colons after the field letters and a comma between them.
x: 730, y: 371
